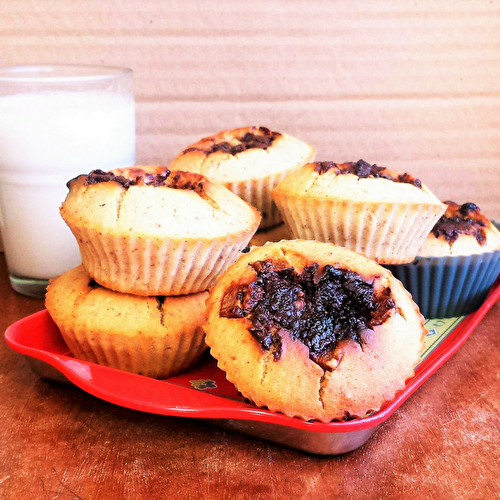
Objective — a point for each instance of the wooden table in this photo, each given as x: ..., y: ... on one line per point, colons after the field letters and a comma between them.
x: 58, y: 442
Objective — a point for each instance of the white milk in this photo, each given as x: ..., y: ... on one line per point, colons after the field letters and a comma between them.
x: 46, y: 140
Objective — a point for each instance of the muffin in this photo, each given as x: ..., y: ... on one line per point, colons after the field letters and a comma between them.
x: 369, y: 209
x: 457, y: 264
x: 150, y: 231
x: 313, y: 330
x: 249, y: 161
x: 152, y: 336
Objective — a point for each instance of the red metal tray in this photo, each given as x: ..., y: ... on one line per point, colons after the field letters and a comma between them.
x: 203, y: 392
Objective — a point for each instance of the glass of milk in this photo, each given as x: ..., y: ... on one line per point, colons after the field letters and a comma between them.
x: 56, y: 122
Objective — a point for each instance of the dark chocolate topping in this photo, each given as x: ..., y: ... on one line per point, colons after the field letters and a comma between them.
x: 363, y: 169
x: 256, y: 138
x: 318, y: 308
x: 461, y: 219
x: 138, y: 177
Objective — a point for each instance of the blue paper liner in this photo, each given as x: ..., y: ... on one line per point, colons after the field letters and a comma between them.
x: 446, y: 287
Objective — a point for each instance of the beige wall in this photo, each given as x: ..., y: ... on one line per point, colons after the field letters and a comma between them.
x: 414, y: 86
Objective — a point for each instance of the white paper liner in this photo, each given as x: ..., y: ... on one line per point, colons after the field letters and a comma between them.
x: 386, y: 232
x: 159, y: 357
x: 148, y: 266
x: 257, y: 192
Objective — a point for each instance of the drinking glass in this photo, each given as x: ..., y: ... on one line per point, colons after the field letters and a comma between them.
x: 56, y: 122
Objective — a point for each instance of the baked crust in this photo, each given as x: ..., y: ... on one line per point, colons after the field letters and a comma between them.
x: 156, y: 239
x: 249, y: 168
x: 153, y: 336
x: 357, y: 378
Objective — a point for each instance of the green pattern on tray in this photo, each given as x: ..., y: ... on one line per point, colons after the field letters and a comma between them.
x: 438, y: 331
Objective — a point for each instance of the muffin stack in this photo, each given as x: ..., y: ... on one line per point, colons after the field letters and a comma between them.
x: 152, y: 242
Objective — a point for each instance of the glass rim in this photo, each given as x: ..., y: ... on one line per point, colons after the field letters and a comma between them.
x: 61, y: 73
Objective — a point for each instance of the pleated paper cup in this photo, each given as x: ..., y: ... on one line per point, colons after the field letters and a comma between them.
x: 149, y: 266
x: 445, y: 287
x: 257, y: 192
x: 390, y: 233
x: 152, y: 357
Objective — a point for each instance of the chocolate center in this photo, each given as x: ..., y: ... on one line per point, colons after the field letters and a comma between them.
x: 461, y: 219
x: 138, y: 177
x: 256, y: 138
x: 363, y: 170
x: 318, y: 308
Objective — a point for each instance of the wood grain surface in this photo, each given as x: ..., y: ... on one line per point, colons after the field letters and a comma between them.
x: 58, y: 442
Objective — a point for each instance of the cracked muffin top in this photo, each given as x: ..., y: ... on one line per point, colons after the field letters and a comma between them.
x: 154, y: 201
x: 313, y: 330
x: 250, y: 161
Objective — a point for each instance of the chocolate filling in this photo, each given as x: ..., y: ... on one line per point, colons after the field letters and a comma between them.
x: 317, y: 307
x: 461, y: 219
x: 363, y: 170
x: 138, y: 177
x: 257, y: 138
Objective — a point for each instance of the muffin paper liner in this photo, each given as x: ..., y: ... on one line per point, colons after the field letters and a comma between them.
x: 389, y: 233
x: 445, y: 287
x: 146, y: 266
x: 257, y: 192
x: 152, y: 357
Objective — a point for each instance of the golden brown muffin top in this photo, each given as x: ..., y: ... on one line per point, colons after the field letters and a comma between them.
x: 244, y: 155
x: 156, y: 201
x: 355, y: 379
x: 149, y: 176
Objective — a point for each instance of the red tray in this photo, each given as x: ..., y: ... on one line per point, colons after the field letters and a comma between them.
x: 203, y: 392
